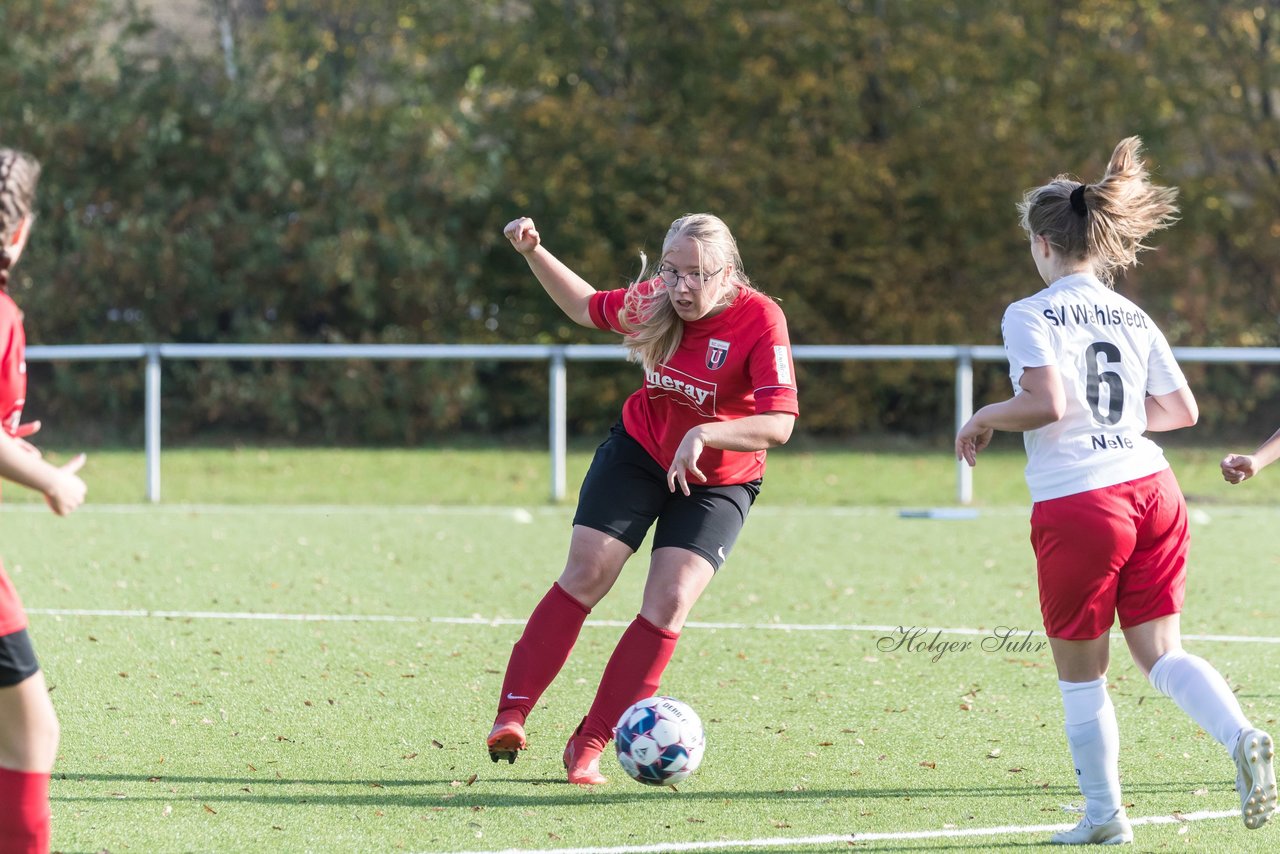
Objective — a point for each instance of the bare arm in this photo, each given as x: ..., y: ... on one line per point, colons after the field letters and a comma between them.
x: 62, y: 487
x: 1172, y: 411
x: 752, y: 433
x: 566, y: 288
x: 1042, y: 401
x: 1237, y: 468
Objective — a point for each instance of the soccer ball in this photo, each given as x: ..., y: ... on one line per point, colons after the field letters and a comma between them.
x: 659, y: 741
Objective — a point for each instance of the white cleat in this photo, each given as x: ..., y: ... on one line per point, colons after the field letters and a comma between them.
x: 1118, y: 831
x: 1255, y: 777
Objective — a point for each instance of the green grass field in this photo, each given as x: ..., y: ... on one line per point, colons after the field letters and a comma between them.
x: 201, y: 729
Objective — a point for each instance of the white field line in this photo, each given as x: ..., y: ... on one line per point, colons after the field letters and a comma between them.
x: 778, y: 842
x: 525, y: 514
x: 928, y: 633
x: 520, y: 514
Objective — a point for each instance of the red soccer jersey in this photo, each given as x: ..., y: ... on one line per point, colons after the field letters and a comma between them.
x: 13, y: 364
x: 12, y: 617
x: 735, y: 364
x: 13, y: 393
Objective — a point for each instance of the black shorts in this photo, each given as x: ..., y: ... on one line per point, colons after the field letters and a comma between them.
x: 625, y: 490
x: 17, y: 658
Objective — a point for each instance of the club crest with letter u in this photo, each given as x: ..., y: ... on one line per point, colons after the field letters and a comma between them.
x: 717, y: 352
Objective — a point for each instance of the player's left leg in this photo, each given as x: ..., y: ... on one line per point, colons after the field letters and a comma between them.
x: 676, y: 579
x: 694, y: 536
x: 1149, y: 600
x: 28, y: 747
x: 1199, y: 690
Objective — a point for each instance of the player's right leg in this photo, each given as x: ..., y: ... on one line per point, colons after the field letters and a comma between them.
x: 1078, y: 576
x: 595, y: 561
x: 28, y: 747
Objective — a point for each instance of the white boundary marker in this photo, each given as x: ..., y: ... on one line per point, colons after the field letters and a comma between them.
x: 846, y: 838
x: 508, y: 621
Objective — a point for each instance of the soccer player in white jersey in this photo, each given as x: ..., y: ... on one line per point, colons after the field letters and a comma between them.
x: 1091, y: 374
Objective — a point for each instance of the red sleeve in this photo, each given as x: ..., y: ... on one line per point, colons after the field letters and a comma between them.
x: 604, y: 307
x: 773, y: 372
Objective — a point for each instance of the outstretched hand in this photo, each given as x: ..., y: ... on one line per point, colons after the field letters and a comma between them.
x: 67, y: 490
x: 523, y: 235
x: 1237, y: 468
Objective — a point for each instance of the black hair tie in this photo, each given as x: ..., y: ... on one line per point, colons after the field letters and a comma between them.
x: 1077, y: 201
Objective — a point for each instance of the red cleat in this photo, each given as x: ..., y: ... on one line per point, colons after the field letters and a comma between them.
x: 582, y: 761
x: 506, y: 739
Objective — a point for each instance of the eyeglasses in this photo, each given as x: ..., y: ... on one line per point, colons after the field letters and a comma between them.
x: 695, y: 280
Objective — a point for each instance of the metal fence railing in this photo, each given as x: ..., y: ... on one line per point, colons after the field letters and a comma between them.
x: 557, y: 358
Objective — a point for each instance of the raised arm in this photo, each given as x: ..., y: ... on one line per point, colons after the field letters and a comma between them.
x: 570, y: 291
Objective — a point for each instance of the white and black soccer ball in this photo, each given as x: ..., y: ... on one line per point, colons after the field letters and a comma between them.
x: 659, y: 741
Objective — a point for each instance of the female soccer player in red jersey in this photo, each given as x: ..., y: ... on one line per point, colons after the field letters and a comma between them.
x: 1091, y: 374
x: 719, y: 388
x: 28, y: 726
x: 1237, y: 468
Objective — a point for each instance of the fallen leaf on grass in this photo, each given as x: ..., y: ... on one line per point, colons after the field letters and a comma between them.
x: 472, y: 779
x: 210, y: 810
x: 436, y: 744
x: 928, y: 764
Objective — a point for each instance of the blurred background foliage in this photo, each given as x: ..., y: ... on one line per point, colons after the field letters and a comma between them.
x: 340, y: 171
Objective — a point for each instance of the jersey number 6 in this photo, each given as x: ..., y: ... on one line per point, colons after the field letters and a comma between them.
x: 1095, y: 377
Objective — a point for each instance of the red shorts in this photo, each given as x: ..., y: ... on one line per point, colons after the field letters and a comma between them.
x: 12, y: 617
x: 1117, y: 550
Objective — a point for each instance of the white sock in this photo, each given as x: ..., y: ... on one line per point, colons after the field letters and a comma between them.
x: 1201, y: 692
x: 1094, y: 740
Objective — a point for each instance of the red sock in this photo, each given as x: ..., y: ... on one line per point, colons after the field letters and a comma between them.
x: 24, y: 812
x: 542, y: 650
x: 633, y: 673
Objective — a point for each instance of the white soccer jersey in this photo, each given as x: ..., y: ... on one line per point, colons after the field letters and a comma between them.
x: 1110, y: 357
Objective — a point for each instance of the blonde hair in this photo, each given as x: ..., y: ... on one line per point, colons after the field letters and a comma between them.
x: 19, y: 173
x: 1103, y: 223
x: 650, y: 320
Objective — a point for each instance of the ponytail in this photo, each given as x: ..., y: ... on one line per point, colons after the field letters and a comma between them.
x: 1103, y: 223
